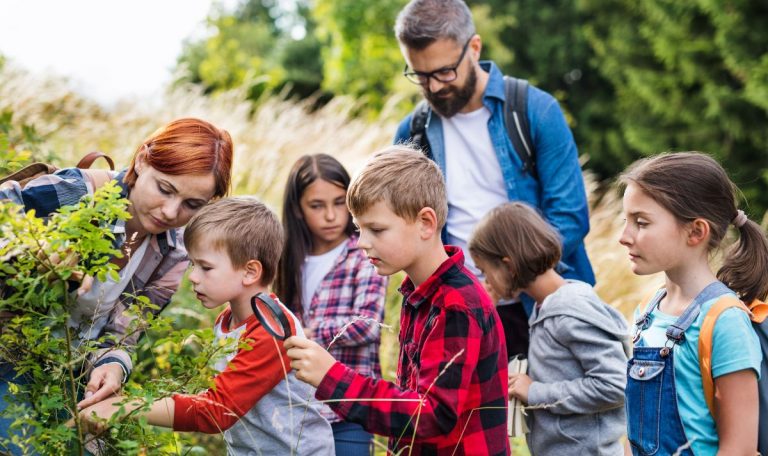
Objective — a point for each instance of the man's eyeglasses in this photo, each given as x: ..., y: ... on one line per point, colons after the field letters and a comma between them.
x: 447, y: 74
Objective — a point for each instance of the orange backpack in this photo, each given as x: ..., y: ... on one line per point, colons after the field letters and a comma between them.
x: 758, y: 312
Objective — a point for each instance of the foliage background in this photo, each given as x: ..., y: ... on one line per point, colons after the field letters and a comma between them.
x: 289, y: 78
x: 635, y: 78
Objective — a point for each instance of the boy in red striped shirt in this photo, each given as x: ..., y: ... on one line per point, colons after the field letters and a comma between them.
x: 235, y: 245
x: 450, y: 396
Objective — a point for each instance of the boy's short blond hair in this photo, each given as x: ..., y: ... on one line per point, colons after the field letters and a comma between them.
x: 243, y: 227
x: 405, y: 179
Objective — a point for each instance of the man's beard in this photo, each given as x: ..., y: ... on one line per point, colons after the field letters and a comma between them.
x: 460, y: 96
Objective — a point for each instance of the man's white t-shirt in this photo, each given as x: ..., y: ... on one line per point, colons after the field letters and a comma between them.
x: 474, y: 182
x: 316, y: 267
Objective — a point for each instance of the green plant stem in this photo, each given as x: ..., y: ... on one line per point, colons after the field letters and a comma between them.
x: 72, y: 384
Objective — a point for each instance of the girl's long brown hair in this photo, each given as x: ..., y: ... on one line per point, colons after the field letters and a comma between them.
x: 298, y: 239
x: 693, y: 185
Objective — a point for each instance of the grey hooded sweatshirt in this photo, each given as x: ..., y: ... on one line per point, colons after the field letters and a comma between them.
x: 577, y: 360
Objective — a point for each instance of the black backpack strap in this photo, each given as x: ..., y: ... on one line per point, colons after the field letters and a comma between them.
x: 516, y: 120
x: 418, y: 126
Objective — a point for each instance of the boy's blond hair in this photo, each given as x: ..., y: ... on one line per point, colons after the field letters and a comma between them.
x: 405, y: 179
x: 243, y: 227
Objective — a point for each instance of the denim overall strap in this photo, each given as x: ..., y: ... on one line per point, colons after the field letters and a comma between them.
x: 675, y: 331
x: 654, y: 426
x: 642, y: 322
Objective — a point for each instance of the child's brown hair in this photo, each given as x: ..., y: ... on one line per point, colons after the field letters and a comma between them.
x: 244, y: 227
x: 405, y: 179
x: 516, y: 231
x: 693, y: 185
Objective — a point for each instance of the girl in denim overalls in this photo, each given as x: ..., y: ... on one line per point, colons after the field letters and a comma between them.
x: 678, y: 208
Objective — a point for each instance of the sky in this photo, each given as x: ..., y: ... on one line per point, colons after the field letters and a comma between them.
x: 109, y: 49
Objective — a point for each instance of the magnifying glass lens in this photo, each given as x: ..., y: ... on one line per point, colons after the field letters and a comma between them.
x: 271, y: 316
x: 269, y: 319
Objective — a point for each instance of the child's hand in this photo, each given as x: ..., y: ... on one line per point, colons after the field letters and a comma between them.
x: 95, y: 417
x: 309, y: 360
x: 519, y: 385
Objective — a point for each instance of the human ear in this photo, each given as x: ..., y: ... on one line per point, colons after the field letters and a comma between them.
x: 141, y: 160
x: 253, y: 272
x: 698, y: 232
x: 427, y: 220
x: 476, y: 44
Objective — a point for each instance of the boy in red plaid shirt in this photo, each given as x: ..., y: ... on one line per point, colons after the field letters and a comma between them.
x: 450, y: 396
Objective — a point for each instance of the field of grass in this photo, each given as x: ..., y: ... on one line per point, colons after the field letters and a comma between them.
x: 268, y: 138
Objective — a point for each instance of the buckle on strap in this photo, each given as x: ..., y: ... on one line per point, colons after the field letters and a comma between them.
x: 676, y: 333
x: 640, y: 325
x: 666, y: 349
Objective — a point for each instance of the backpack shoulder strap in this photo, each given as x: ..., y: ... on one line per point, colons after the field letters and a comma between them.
x: 90, y: 157
x: 29, y: 172
x: 759, y: 311
x: 705, y: 345
x: 38, y: 169
x: 516, y: 121
x: 418, y: 126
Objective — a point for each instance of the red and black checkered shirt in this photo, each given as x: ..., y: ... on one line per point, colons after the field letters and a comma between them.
x: 451, y: 391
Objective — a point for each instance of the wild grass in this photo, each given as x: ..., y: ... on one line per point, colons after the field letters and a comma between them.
x: 269, y: 136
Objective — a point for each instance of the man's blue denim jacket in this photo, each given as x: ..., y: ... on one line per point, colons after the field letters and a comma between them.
x: 557, y: 191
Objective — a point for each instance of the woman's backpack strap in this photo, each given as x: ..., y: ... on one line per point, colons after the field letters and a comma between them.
x: 705, y: 345
x: 90, y: 157
x: 28, y: 173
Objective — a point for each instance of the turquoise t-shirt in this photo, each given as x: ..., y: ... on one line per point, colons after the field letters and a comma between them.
x: 735, y: 347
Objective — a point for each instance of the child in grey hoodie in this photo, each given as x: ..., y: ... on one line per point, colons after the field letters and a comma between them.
x: 579, y: 345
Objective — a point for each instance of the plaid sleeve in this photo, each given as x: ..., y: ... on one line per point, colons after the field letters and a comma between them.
x: 449, y: 357
x: 48, y: 193
x: 369, y: 293
x: 120, y: 342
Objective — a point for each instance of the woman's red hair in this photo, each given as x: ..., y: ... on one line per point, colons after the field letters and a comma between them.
x: 188, y: 146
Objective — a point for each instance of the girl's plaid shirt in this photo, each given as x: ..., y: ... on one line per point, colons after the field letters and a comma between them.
x: 349, y: 303
x: 451, y: 391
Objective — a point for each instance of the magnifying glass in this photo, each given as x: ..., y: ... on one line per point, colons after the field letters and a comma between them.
x: 271, y: 316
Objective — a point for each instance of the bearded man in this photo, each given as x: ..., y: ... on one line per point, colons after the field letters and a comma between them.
x: 466, y: 135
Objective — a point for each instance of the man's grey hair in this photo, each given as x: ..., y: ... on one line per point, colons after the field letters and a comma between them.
x: 422, y: 22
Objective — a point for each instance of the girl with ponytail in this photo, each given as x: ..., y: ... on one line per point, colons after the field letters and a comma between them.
x: 678, y: 209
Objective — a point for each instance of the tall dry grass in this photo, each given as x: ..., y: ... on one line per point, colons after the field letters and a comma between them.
x: 268, y: 138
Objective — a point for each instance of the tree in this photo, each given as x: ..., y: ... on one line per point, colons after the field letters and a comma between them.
x: 360, y: 52
x: 689, y: 76
x: 545, y: 42
x: 254, y: 45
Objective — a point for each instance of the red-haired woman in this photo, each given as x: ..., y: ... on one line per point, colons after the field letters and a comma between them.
x: 172, y: 174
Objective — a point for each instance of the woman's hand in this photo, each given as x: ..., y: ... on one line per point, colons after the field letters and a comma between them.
x: 519, y: 385
x: 106, y: 380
